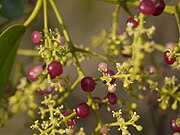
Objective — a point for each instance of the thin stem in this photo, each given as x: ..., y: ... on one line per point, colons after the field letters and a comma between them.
x: 96, y: 55
x: 60, y: 20
x: 112, y: 124
x: 137, y: 43
x: 159, y: 47
x: 34, y: 13
x: 47, y: 130
x: 45, y: 23
x: 66, y: 94
x: 68, y: 117
x: 177, y: 15
x: 115, y: 21
x: 67, y: 37
x: 27, y: 52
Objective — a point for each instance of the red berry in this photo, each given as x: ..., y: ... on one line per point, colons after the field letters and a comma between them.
x: 55, y: 69
x: 49, y: 90
x: 132, y: 22
x: 112, y: 99
x: 159, y: 7
x: 70, y: 122
x: 169, y: 59
x: 174, y: 125
x: 34, y: 72
x: 36, y: 37
x: 40, y: 91
x: 147, y: 7
x: 88, y: 84
x: 111, y: 73
x: 82, y: 110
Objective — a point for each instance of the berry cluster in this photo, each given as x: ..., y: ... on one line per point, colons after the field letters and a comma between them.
x: 130, y: 66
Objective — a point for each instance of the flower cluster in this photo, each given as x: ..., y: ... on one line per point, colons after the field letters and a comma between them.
x: 128, y: 66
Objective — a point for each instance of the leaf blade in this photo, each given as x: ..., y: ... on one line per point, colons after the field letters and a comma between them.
x: 9, y: 43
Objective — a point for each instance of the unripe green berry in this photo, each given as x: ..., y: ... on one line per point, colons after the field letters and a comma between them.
x: 139, y: 128
x: 133, y: 106
x: 174, y: 105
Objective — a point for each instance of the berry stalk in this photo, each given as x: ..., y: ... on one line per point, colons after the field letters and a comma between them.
x: 34, y: 13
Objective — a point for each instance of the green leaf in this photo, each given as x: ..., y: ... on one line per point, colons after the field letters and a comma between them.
x: 9, y: 43
x: 11, y: 9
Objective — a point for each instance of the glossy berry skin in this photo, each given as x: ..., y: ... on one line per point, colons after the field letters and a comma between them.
x: 174, y: 126
x: 82, y: 110
x: 147, y: 7
x: 70, y: 122
x: 88, y: 84
x: 55, y: 69
x: 111, y: 73
x: 34, y: 72
x: 36, y: 37
x: 112, y: 99
x: 159, y: 7
x: 132, y: 22
x: 169, y: 60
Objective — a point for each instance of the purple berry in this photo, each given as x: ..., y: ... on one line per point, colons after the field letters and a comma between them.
x: 55, y: 69
x: 169, y: 59
x: 111, y: 73
x: 112, y: 99
x: 175, y: 125
x: 132, y: 22
x: 88, y: 84
x: 159, y: 7
x: 36, y: 37
x: 82, y: 110
x: 147, y: 7
x: 34, y: 72
x: 40, y: 91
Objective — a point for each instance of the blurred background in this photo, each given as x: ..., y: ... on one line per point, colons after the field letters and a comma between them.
x: 83, y: 19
